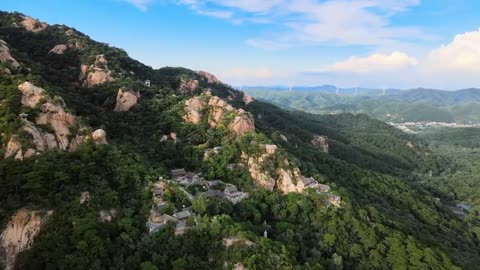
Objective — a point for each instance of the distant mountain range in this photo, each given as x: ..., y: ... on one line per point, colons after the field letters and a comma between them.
x: 394, y: 105
x: 330, y: 89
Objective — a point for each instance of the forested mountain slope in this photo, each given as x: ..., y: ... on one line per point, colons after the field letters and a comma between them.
x: 396, y: 106
x: 85, y: 139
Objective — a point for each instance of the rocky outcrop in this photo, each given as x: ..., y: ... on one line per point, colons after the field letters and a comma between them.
x: 126, y: 99
x: 99, y: 136
x: 59, y: 49
x: 54, y: 116
x: 193, y: 110
x: 51, y: 114
x: 14, y: 148
x: 287, y: 180
x: 242, y: 123
x: 247, y: 99
x: 172, y: 136
x: 31, y: 95
x: 239, y: 266
x: 84, y: 197
x: 217, y: 109
x: 106, y: 216
x: 96, y: 74
x: 321, y: 142
x: 260, y: 177
x: 33, y: 25
x: 285, y: 177
x: 236, y: 241
x: 5, y: 55
x: 19, y: 234
x: 210, y: 78
x: 188, y: 86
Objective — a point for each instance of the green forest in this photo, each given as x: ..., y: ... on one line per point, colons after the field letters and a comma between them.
x: 405, y: 106
x: 395, y: 188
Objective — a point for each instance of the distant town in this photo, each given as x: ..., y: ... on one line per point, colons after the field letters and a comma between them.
x: 414, y: 127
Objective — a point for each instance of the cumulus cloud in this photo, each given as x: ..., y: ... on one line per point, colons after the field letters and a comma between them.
x: 451, y: 66
x: 377, y: 62
x: 461, y: 55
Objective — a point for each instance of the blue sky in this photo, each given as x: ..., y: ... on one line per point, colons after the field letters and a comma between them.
x: 369, y: 43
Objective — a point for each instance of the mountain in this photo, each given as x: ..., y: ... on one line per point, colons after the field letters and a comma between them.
x: 111, y: 164
x: 330, y: 89
x: 395, y: 106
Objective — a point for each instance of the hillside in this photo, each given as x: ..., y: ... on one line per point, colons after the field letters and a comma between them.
x: 396, y: 106
x: 94, y: 143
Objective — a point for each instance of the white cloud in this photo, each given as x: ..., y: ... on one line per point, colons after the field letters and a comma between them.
x: 299, y: 22
x: 462, y: 55
x: 452, y: 66
x: 395, y: 61
x: 222, y: 14
x: 357, y: 22
x: 140, y: 4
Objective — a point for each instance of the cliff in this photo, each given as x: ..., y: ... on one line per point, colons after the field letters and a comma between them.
x: 19, y: 234
x: 51, y: 127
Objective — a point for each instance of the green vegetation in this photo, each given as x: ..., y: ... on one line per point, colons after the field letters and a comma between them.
x: 389, y: 218
x: 408, y: 106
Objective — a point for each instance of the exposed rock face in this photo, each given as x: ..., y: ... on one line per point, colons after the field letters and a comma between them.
x: 270, y: 149
x: 60, y: 121
x: 286, y: 178
x: 84, y: 197
x: 247, y: 99
x: 19, y: 234
x: 33, y: 25
x: 188, y: 86
x: 284, y: 138
x: 96, y: 74
x: 13, y: 148
x: 322, y: 142
x: 217, y: 108
x: 235, y: 241
x: 31, y: 95
x: 5, y: 55
x: 173, y: 135
x: 106, y: 216
x: 52, y: 115
x: 410, y: 145
x: 59, y: 49
x: 126, y: 99
x: 193, y: 109
x: 255, y: 170
x: 242, y: 123
x: 99, y: 136
x: 207, y: 92
x: 239, y: 266
x: 209, y: 77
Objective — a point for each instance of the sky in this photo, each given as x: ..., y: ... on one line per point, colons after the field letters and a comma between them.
x: 348, y: 43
